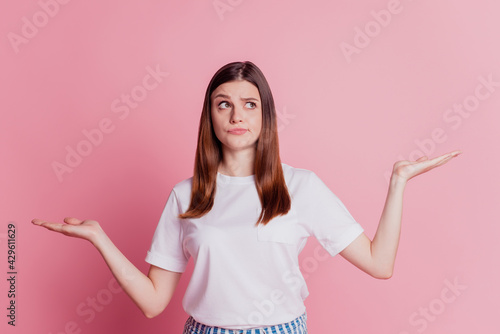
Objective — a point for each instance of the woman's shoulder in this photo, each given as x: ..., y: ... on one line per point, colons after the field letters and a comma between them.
x: 294, y: 174
x: 183, y: 188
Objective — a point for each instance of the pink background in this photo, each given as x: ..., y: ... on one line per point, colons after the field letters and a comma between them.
x: 346, y: 116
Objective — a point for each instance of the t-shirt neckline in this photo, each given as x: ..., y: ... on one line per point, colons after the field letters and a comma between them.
x: 226, y: 179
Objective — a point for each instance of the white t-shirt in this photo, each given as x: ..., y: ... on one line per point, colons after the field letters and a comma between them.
x: 246, y: 276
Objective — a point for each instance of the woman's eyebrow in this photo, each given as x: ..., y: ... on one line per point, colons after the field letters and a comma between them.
x: 224, y: 96
x: 249, y: 98
x: 221, y: 95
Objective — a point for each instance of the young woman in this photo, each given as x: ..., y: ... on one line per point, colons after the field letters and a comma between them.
x: 244, y: 217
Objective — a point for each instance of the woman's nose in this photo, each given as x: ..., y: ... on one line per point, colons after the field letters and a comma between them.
x: 236, y: 115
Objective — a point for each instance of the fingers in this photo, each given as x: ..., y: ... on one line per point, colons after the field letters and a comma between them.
x: 446, y: 157
x: 451, y: 154
x: 37, y: 221
x: 56, y: 227
x: 48, y: 225
x: 67, y: 220
x: 40, y: 222
x: 441, y: 160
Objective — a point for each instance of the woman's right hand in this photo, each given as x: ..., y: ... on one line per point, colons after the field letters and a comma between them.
x: 85, y: 229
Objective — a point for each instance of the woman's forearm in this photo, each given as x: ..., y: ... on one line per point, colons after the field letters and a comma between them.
x: 136, y: 284
x: 386, y: 240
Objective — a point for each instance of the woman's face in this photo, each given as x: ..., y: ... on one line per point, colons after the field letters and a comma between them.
x: 236, y: 114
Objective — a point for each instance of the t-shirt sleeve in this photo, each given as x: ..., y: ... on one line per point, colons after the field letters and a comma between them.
x: 331, y: 223
x: 166, y: 249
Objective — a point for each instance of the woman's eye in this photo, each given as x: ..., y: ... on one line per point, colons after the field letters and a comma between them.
x: 251, y: 105
x: 223, y: 105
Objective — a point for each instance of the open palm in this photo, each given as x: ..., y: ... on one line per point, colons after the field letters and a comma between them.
x: 73, y: 227
x: 406, y: 170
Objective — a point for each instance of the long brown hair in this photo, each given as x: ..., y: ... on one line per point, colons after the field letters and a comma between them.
x: 269, y: 179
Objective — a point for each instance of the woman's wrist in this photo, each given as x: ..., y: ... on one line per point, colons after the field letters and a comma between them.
x: 397, y: 181
x: 99, y: 238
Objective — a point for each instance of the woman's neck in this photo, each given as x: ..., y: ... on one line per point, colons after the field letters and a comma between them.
x: 237, y: 163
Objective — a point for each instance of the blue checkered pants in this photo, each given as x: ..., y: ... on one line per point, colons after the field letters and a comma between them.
x: 296, y: 326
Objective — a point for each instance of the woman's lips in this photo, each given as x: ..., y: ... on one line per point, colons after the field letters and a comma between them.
x: 237, y: 131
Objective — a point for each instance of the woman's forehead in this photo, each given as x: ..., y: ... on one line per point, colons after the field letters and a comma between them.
x: 236, y: 89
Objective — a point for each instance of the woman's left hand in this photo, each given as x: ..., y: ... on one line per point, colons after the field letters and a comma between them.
x: 405, y: 170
